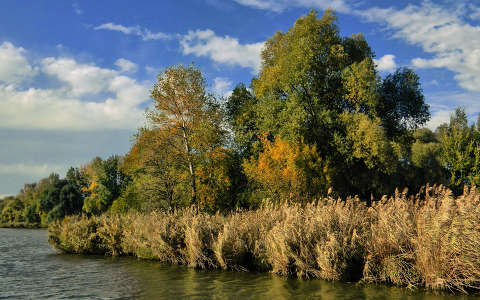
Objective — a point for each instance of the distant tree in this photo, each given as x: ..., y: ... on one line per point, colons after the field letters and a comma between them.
x: 460, y: 151
x: 426, y: 160
x: 12, y: 210
x: 31, y: 214
x: 402, y: 106
x: 106, y: 182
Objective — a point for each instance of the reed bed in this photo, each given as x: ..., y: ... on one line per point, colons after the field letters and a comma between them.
x: 429, y: 240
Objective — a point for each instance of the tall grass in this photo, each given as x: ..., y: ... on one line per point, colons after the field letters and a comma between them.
x: 430, y: 240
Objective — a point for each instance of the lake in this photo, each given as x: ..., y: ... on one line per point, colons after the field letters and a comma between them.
x: 31, y: 269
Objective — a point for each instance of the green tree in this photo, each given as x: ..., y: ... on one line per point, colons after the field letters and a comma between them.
x: 185, y: 115
x: 240, y: 114
x: 318, y: 87
x: 460, y: 151
x: 426, y: 160
x: 12, y: 211
x: 61, y: 199
x: 402, y: 106
x: 156, y: 164
x: 105, y: 183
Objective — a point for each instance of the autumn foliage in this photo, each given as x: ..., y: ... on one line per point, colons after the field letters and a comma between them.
x: 288, y: 172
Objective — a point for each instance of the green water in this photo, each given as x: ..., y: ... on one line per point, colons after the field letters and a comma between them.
x: 31, y: 269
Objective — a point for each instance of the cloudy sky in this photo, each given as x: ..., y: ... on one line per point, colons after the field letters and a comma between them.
x: 75, y: 75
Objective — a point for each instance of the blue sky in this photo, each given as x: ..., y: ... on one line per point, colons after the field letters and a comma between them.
x: 75, y: 75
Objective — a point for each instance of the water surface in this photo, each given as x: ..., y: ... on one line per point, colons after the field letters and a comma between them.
x: 31, y: 269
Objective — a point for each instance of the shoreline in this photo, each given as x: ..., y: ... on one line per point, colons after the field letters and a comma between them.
x: 22, y: 226
x: 430, y: 242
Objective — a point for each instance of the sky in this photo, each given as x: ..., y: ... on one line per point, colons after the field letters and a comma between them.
x: 75, y: 75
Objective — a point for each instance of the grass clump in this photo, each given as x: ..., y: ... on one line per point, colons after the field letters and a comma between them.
x: 323, y: 240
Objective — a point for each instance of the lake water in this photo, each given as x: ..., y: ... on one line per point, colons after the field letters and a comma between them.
x: 31, y: 269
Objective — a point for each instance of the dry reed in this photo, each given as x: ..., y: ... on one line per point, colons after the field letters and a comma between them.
x: 430, y: 240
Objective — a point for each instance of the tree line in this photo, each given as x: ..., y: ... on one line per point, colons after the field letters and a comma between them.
x: 317, y: 120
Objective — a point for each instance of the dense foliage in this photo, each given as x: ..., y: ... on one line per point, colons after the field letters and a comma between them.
x: 317, y: 121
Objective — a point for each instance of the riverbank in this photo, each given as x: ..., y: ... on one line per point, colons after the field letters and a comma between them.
x: 31, y: 269
x: 21, y: 225
x: 431, y: 240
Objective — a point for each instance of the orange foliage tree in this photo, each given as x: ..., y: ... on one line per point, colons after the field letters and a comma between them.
x: 292, y: 172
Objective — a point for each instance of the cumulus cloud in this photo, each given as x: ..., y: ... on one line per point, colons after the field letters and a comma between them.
x: 82, y: 78
x: 222, y: 86
x: 145, y: 34
x: 126, y: 66
x: 280, y: 5
x: 88, y: 97
x: 441, y: 32
x: 14, y: 66
x: 386, y: 63
x: 226, y: 50
x: 443, y: 104
x: 474, y: 12
x: 438, y: 118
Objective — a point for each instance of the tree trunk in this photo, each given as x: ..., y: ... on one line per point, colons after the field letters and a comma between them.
x: 190, y: 167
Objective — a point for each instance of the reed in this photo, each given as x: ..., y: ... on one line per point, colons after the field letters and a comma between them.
x: 429, y: 240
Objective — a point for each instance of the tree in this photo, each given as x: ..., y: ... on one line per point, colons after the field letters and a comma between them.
x: 426, y: 160
x: 156, y: 167
x: 105, y: 183
x: 240, y: 114
x: 62, y: 198
x: 291, y: 172
x: 402, y: 107
x: 184, y: 115
x: 322, y: 89
x: 12, y: 210
x: 460, y: 151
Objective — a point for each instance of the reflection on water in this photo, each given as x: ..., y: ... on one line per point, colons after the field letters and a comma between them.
x: 31, y: 269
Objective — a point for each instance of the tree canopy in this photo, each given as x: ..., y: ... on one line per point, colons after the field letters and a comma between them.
x: 318, y: 119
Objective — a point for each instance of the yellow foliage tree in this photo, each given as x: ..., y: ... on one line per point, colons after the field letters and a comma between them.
x: 292, y: 172
x: 213, y: 179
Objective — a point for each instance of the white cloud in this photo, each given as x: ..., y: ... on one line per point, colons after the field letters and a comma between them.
x: 152, y: 70
x: 77, y: 9
x: 89, y: 97
x: 37, y: 170
x: 440, y: 31
x: 386, y: 63
x: 14, y: 66
x: 280, y: 5
x: 475, y: 12
x: 145, y: 34
x: 83, y: 78
x: 222, y: 86
x: 438, y: 118
x: 442, y: 104
x: 126, y: 66
x: 120, y: 28
x: 226, y: 50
